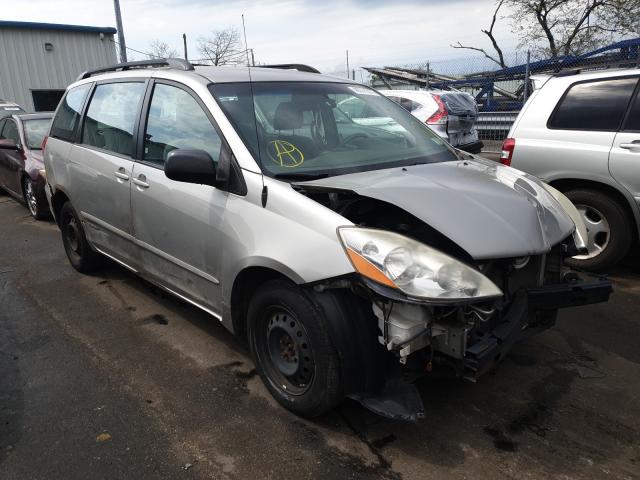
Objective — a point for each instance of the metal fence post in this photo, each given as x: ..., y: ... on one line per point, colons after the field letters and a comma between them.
x: 526, y: 77
x: 427, y: 75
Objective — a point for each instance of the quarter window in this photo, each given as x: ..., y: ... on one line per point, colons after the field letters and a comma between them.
x: 111, y: 117
x: 594, y: 105
x: 633, y: 120
x: 68, y: 113
x: 176, y: 120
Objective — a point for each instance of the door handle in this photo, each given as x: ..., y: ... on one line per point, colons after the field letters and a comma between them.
x: 121, y: 175
x: 631, y: 146
x: 140, y: 181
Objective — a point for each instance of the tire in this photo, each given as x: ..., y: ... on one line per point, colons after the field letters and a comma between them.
x: 601, y: 212
x: 291, y: 346
x: 80, y: 254
x: 37, y: 207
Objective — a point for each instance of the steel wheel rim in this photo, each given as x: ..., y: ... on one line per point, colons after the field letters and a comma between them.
x: 72, y: 235
x: 598, y: 231
x: 285, y: 351
x: 32, y: 201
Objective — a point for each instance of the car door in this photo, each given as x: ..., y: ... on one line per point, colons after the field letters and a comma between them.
x: 177, y: 224
x: 11, y: 161
x: 624, y: 159
x: 101, y: 165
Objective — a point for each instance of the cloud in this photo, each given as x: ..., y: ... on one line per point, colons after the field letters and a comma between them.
x: 375, y: 32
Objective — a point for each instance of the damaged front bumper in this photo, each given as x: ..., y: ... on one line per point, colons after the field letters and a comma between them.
x: 471, y: 350
x: 531, y: 311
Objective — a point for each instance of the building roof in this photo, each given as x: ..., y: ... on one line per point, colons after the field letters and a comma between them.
x: 56, y: 26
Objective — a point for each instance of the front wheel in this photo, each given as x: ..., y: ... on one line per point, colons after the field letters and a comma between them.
x: 80, y: 254
x: 292, y: 349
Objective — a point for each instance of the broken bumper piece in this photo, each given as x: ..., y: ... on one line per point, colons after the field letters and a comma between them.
x: 487, y: 351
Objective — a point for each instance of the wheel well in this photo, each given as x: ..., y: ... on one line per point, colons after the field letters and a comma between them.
x: 245, y: 284
x: 571, y: 184
x: 57, y: 201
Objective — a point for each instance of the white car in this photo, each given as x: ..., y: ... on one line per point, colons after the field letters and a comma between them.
x: 9, y: 108
x: 450, y: 114
x: 580, y: 132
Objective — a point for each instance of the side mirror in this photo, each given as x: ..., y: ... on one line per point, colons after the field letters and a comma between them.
x: 8, y: 144
x: 191, y: 166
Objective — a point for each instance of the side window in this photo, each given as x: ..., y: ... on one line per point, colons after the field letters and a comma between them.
x: 68, y: 113
x: 176, y: 120
x: 111, y: 117
x: 10, y: 131
x: 633, y: 120
x: 594, y: 105
x: 2, y: 124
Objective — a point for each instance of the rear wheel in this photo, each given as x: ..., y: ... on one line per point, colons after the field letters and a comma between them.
x: 81, y: 256
x: 293, y: 352
x: 609, y: 234
x: 35, y: 204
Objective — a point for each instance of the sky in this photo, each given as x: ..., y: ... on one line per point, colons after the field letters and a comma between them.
x: 314, y: 32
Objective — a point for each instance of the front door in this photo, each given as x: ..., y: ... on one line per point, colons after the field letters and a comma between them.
x: 624, y: 160
x: 102, y: 164
x: 177, y: 224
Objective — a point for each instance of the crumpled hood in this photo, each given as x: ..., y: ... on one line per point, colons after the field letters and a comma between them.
x: 489, y: 210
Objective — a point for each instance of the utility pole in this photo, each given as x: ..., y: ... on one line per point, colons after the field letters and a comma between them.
x: 348, y: 64
x: 184, y: 40
x: 121, y: 41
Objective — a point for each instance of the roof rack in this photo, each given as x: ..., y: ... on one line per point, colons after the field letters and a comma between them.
x: 567, y: 73
x: 292, y: 66
x: 177, y: 63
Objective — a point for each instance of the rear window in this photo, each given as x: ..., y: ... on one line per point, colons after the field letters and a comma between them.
x: 68, y: 113
x: 597, y: 105
x: 111, y: 117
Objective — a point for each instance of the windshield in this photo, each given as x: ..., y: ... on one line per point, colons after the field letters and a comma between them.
x: 306, y: 130
x: 35, y: 131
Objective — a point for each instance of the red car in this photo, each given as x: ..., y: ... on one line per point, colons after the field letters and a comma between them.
x: 21, y: 168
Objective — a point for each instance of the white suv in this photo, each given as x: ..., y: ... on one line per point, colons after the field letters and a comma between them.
x: 581, y: 134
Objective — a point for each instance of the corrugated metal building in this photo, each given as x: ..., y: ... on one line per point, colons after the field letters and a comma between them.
x: 39, y: 60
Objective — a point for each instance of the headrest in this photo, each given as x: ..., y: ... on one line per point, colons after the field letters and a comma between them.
x: 288, y: 117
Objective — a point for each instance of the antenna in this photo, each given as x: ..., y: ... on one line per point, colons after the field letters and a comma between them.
x: 255, y: 119
x: 246, y: 47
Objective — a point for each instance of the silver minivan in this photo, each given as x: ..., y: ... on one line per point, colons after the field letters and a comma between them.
x: 351, y: 258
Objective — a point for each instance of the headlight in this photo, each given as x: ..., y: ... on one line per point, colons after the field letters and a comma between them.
x: 412, y: 267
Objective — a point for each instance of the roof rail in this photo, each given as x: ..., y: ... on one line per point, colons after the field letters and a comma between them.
x: 567, y: 72
x: 177, y: 63
x: 292, y: 66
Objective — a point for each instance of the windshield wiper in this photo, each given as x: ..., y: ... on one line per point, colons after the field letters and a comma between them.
x: 300, y: 176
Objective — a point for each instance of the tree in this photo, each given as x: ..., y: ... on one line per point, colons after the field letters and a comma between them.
x: 160, y: 49
x: 563, y: 27
x: 222, y: 48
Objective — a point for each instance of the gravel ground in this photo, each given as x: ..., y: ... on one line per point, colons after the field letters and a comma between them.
x: 107, y: 377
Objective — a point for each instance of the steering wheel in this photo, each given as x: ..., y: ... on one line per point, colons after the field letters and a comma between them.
x: 350, y: 138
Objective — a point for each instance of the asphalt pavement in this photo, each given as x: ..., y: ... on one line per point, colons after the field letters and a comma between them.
x: 105, y: 376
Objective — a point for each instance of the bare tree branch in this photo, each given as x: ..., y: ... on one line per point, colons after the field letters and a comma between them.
x: 489, y: 33
x: 222, y: 48
x: 160, y: 49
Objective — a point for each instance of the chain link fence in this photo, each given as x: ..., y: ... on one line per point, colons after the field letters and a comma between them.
x: 500, y: 89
